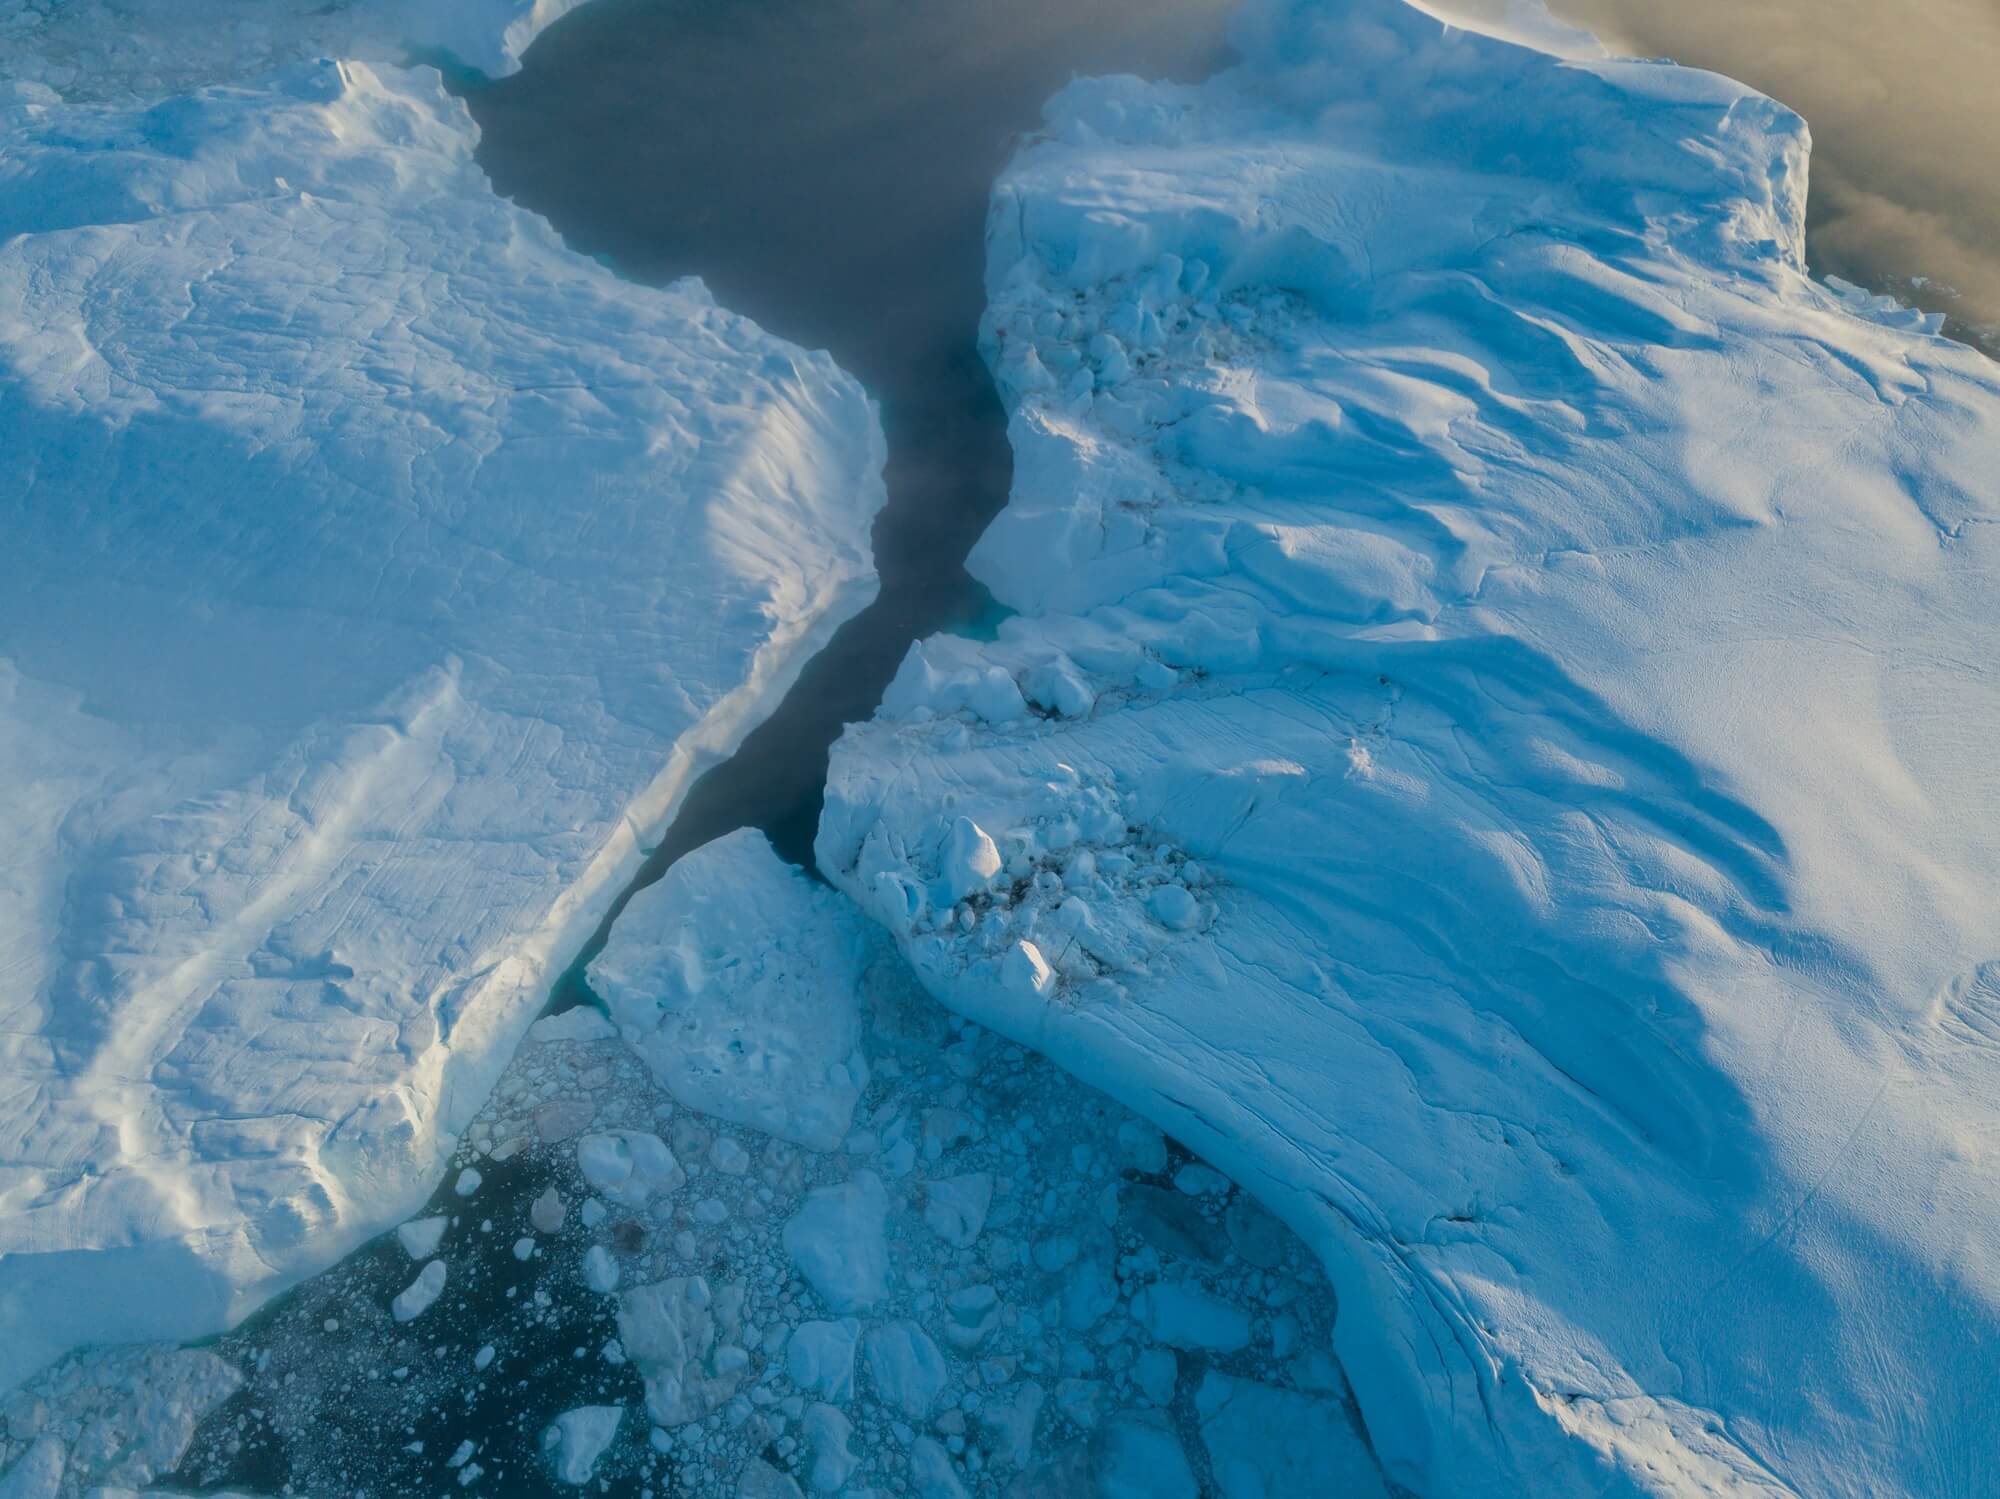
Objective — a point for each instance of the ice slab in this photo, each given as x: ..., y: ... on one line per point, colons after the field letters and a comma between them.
x: 377, y: 575
x: 1523, y: 806
x: 737, y: 978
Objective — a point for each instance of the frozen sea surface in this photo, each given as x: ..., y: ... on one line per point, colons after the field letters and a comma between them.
x: 1493, y: 748
x: 378, y: 572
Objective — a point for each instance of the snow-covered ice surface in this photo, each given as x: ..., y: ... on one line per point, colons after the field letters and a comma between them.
x: 149, y: 49
x: 376, y: 575
x: 726, y: 987
x: 787, y: 1320
x: 1495, y: 749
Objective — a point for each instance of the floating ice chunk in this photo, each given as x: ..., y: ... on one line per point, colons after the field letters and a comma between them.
x: 524, y: 1249
x: 629, y: 1167
x: 546, y: 1213
x: 738, y: 979
x: 1141, y: 1147
x: 576, y: 1439
x: 600, y: 1270
x: 905, y: 1366
x: 668, y: 1329
x: 827, y: 1432
x: 561, y: 1118
x: 728, y: 1156
x: 819, y: 1358
x: 420, y: 1237
x: 1183, y: 1315
x: 1197, y: 1180
x: 415, y: 1299
x: 468, y: 1182
x: 1265, y: 1442
x: 956, y: 1207
x: 836, y: 1240
x: 1009, y: 1417
x: 974, y: 1312
x: 483, y: 1357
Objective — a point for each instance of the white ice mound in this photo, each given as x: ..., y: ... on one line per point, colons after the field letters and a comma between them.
x: 1527, y: 806
x: 739, y: 980
x: 375, y: 574
x: 147, y: 49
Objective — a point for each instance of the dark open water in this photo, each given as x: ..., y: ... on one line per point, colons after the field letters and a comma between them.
x: 825, y: 167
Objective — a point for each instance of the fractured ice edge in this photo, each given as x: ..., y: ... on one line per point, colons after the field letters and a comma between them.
x: 377, y: 574
x: 991, y: 1282
x: 1495, y: 748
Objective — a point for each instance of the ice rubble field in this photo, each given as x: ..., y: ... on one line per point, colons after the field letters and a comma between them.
x: 376, y: 575
x: 988, y: 1282
x: 1496, y: 748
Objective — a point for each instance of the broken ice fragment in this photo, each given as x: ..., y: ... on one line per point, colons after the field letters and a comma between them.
x: 836, y: 1240
x: 415, y: 1299
x: 546, y: 1212
x: 1184, y: 1315
x: 628, y: 1166
x: 819, y: 1359
x: 905, y: 1366
x: 576, y: 1439
x: 420, y: 1237
x: 957, y: 1205
x: 600, y: 1270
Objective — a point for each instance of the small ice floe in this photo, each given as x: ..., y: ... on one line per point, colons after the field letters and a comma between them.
x: 415, y: 1299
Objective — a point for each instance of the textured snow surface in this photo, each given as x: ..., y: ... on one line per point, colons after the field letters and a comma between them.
x: 376, y: 575
x: 1496, y: 749
x: 146, y: 49
x: 738, y: 979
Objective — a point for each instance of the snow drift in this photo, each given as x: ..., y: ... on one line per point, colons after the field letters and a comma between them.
x: 1495, y: 748
x: 376, y: 574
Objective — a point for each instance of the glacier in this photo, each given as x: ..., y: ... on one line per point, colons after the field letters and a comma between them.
x: 377, y: 573
x: 1493, y: 747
